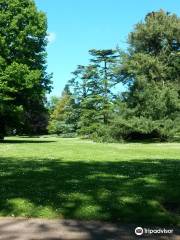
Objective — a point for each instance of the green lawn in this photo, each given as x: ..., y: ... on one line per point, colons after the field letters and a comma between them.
x: 78, y: 179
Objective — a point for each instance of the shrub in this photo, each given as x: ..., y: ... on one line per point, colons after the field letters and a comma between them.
x: 142, y: 128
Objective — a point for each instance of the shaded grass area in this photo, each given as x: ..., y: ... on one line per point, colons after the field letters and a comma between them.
x: 133, y: 192
x: 17, y: 141
x: 75, y: 179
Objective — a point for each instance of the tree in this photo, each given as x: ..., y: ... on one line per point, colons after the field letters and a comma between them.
x: 35, y: 119
x: 150, y: 69
x: 23, y: 77
x: 64, y: 118
x: 51, y: 104
x: 91, y: 105
x: 91, y: 86
x: 105, y: 60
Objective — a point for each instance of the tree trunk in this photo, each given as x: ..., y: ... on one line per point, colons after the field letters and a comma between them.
x: 2, y: 128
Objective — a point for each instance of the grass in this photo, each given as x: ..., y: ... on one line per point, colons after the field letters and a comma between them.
x: 77, y: 179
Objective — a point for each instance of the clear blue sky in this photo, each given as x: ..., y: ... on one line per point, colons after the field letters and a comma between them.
x: 75, y: 26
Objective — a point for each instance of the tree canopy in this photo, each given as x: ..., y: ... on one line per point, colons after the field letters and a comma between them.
x: 23, y: 77
x: 151, y: 70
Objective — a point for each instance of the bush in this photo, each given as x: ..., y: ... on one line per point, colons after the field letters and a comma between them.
x: 97, y: 132
x: 60, y: 127
x: 68, y: 135
x: 142, y: 128
x: 102, y: 134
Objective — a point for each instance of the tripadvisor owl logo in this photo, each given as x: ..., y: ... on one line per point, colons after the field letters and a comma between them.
x: 139, y: 231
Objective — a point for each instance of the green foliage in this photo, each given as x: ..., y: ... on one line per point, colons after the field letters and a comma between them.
x: 63, y: 119
x: 141, y: 128
x: 51, y: 104
x: 23, y: 74
x: 92, y: 89
x: 89, y: 98
x: 158, y: 34
x: 103, y: 133
x: 151, y: 71
x: 150, y: 105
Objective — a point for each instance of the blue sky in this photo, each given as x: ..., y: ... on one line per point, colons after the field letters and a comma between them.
x: 75, y: 26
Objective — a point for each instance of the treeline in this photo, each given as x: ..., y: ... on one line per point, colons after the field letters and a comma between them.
x: 132, y: 94
x: 127, y: 95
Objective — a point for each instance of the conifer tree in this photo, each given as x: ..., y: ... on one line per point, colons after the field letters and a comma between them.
x: 105, y: 60
x: 151, y: 71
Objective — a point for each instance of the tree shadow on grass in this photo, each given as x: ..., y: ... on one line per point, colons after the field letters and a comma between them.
x: 14, y: 141
x: 145, y: 191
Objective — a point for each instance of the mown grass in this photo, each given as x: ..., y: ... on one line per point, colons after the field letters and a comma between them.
x: 77, y: 179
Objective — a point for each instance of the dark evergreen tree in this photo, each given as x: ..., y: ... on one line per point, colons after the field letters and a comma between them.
x: 151, y: 71
x: 92, y: 86
x: 91, y: 115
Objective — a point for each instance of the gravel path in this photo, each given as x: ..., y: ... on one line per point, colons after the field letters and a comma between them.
x: 42, y: 229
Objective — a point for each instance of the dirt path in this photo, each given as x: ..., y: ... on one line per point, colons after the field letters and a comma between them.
x: 38, y: 229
